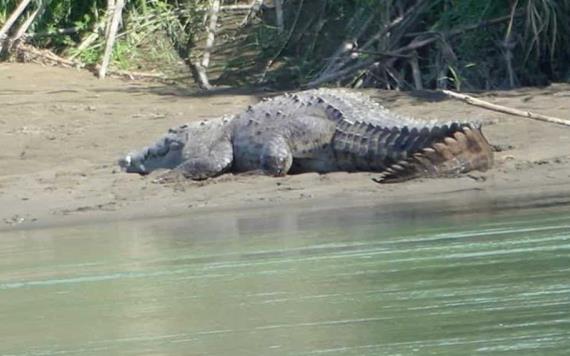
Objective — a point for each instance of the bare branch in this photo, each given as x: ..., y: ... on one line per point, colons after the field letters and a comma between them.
x: 504, y: 109
x: 336, y: 62
x: 416, y: 72
x: 253, y: 9
x: 59, y: 31
x: 341, y: 74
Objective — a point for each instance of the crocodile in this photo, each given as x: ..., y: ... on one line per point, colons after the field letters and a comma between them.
x: 320, y: 130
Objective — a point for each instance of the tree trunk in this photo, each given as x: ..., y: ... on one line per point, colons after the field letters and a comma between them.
x: 11, y: 20
x: 113, y: 28
x: 214, y: 10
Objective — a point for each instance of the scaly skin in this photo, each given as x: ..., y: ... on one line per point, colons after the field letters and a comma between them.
x: 321, y: 130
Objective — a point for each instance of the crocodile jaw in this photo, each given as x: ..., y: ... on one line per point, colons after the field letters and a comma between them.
x: 165, y: 154
x: 132, y: 164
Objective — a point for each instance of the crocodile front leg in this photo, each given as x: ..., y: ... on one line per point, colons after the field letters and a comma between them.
x: 276, y: 157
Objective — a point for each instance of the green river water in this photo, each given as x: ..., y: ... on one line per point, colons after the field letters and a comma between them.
x: 358, y: 281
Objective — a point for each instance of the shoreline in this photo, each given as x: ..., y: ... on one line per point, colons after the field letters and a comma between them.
x: 61, y: 142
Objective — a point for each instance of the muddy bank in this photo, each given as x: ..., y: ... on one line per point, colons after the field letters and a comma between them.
x: 61, y: 132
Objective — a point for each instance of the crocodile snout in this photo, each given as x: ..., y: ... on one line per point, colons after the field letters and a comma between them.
x: 130, y: 164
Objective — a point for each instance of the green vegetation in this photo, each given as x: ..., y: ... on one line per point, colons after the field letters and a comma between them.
x: 150, y: 31
x: 463, y: 44
x: 405, y: 44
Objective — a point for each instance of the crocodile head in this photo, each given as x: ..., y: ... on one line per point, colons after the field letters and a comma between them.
x: 166, y: 153
x: 195, y: 140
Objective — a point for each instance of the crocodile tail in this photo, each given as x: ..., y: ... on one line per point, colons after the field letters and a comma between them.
x: 462, y: 151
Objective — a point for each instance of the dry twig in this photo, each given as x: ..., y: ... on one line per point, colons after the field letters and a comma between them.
x: 504, y: 109
x: 253, y: 9
x: 416, y: 72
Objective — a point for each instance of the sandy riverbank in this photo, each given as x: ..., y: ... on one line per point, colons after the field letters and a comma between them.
x: 61, y: 132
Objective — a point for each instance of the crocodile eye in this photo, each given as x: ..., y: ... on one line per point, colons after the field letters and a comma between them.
x: 161, y: 151
x: 175, y: 146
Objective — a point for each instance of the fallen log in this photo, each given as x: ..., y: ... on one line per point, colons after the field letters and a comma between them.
x: 504, y: 109
x: 45, y: 56
x: 27, y: 53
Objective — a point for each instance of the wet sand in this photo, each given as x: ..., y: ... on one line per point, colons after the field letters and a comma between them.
x: 62, y: 131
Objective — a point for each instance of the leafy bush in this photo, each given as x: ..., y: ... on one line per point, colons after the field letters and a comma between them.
x: 403, y: 44
x: 471, y: 43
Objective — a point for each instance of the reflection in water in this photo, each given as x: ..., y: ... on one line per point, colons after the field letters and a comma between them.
x: 300, y: 282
